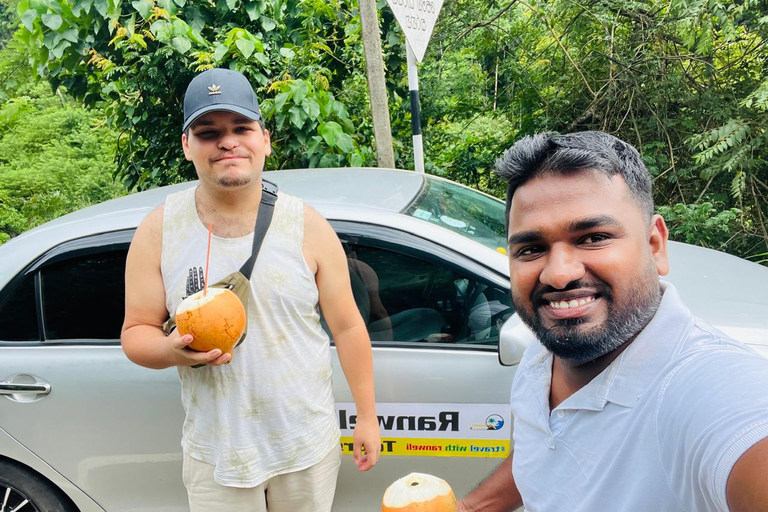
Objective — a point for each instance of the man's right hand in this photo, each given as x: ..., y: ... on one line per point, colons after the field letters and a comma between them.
x: 185, y: 356
x: 462, y: 507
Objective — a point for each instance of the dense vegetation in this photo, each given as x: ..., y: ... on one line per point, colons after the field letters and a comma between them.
x: 685, y: 81
x: 55, y: 156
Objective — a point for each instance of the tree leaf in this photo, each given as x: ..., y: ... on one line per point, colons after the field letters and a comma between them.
x: 231, y: 4
x: 52, y: 21
x: 143, y: 7
x: 325, y: 99
x: 268, y: 23
x: 246, y: 47
x: 261, y: 59
x: 356, y: 160
x: 161, y: 29
x: 220, y: 51
x: 181, y: 44
x: 344, y: 142
x: 58, y: 50
x: 311, y: 107
x: 254, y: 10
x: 28, y: 19
x: 331, y: 160
x: 298, y: 116
x: 314, y: 145
x: 280, y: 100
x: 70, y: 35
x: 300, y: 89
x: 22, y: 7
x: 287, y: 53
x: 330, y: 131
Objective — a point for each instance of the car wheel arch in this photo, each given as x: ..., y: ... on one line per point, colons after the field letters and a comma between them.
x: 16, y: 477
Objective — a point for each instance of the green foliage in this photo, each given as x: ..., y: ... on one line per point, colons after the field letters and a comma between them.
x: 686, y: 82
x: 466, y: 151
x: 55, y: 157
x: 703, y: 224
x: 138, y: 57
x: 302, y: 108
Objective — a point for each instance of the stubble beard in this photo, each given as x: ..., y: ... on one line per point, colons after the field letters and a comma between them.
x: 568, y: 340
x: 231, y: 181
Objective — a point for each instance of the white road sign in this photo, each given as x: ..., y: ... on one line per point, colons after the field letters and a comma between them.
x: 417, y: 19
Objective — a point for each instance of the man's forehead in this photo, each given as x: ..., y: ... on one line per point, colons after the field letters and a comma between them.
x: 556, y: 188
x: 561, y: 198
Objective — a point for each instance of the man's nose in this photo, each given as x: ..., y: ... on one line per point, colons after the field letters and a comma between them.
x: 228, y: 141
x: 562, y: 267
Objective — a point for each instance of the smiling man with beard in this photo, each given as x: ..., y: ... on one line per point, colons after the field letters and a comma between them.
x: 629, y: 402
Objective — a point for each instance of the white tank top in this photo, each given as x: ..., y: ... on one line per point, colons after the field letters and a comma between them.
x: 271, y: 410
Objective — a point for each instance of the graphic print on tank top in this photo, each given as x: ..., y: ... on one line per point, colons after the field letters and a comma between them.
x: 195, y: 281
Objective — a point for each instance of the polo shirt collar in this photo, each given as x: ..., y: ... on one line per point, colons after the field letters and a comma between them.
x: 625, y: 380
x: 652, y: 350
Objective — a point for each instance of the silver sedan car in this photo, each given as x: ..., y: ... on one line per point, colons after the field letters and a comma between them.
x: 84, y: 429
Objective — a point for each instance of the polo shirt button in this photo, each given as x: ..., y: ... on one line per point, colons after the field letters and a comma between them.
x: 561, y: 414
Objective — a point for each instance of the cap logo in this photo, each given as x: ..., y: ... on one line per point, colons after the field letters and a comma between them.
x: 214, y: 89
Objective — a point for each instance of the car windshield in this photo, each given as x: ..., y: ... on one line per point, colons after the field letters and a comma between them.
x: 461, y: 209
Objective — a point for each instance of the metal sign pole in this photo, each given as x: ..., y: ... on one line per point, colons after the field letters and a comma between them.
x: 413, y: 86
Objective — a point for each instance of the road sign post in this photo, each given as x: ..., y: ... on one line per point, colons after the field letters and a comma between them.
x: 417, y: 20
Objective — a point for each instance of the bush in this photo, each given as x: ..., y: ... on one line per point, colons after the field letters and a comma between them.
x: 55, y: 157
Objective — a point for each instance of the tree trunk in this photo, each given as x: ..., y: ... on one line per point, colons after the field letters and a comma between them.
x: 377, y: 89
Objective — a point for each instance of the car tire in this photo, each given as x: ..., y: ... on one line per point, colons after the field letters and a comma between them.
x: 19, y: 483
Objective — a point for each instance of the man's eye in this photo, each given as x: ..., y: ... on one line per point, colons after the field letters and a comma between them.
x: 595, y: 239
x: 528, y: 252
x: 206, y: 134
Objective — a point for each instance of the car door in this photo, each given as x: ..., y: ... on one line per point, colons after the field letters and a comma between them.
x: 442, y: 396
x: 107, y: 425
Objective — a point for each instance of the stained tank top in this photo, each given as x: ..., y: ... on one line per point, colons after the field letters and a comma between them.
x: 271, y: 410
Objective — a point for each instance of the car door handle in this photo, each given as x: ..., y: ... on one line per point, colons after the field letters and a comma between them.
x: 9, y: 388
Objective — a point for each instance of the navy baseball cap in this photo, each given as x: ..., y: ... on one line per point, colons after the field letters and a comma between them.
x: 219, y: 89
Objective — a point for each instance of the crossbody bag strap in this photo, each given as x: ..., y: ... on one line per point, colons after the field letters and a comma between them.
x: 263, y: 219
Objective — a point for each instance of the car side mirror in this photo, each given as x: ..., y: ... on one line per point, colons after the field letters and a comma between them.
x: 514, y: 338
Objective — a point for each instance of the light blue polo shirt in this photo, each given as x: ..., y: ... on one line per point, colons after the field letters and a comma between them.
x: 658, y: 430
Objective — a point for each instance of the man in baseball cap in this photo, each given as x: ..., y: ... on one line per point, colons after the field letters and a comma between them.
x: 255, y: 437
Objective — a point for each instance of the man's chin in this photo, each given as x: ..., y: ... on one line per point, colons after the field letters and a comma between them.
x: 232, y: 182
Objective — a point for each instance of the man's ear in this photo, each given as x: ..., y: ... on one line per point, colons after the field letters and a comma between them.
x: 185, y: 147
x: 658, y: 237
x: 268, y: 150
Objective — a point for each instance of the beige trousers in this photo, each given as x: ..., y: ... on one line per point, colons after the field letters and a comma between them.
x: 308, y: 490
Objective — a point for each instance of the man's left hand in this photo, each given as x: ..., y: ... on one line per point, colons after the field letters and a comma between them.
x: 368, y: 436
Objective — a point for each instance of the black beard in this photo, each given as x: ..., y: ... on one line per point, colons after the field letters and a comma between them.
x: 566, y: 341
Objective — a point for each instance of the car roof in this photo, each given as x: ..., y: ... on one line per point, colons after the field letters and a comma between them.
x: 372, y: 195
x: 387, y: 189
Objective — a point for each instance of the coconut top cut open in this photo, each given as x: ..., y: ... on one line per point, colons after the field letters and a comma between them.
x: 419, y: 492
x: 198, y: 299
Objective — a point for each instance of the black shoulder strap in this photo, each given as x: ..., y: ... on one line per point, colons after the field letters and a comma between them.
x: 263, y: 218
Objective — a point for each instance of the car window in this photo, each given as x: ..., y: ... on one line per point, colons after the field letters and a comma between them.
x: 18, y: 311
x: 404, y: 298
x: 463, y: 210
x: 84, y: 296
